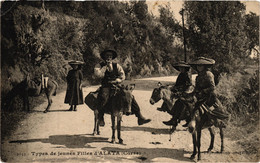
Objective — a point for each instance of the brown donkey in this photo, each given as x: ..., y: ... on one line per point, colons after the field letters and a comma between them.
x: 201, y: 118
x: 32, y: 88
x: 117, y: 106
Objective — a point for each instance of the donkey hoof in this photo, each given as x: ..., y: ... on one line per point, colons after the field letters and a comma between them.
x: 112, y: 141
x: 45, y: 111
x: 98, y: 133
x: 209, y: 150
x: 192, y: 156
x: 120, y: 141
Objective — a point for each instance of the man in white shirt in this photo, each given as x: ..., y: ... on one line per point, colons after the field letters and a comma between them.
x: 112, y: 74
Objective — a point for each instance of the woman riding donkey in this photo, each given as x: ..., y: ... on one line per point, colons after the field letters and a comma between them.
x: 180, y: 89
x: 205, y: 91
x: 112, y: 74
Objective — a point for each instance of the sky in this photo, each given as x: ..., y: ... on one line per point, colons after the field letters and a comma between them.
x: 176, y: 5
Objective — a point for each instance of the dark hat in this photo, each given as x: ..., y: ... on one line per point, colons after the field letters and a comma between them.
x: 76, y: 63
x: 181, y: 64
x: 103, y: 54
x: 207, y: 62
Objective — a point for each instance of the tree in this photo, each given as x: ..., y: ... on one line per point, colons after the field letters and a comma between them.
x: 168, y: 21
x: 252, y: 31
x: 216, y: 30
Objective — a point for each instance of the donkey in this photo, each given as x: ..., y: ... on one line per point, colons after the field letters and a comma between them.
x: 32, y: 88
x: 165, y: 93
x: 201, y: 118
x: 117, y: 106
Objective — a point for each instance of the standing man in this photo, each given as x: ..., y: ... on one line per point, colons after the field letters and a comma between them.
x: 112, y: 74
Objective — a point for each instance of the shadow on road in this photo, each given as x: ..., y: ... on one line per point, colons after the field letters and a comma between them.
x: 59, y: 110
x: 148, y: 154
x: 149, y: 129
x: 69, y: 141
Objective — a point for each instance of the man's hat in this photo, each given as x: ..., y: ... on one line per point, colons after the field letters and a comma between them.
x: 181, y: 64
x: 76, y: 63
x: 103, y: 54
x: 207, y: 62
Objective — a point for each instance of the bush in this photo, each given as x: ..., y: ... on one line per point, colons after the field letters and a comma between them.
x: 239, y: 93
x: 227, y: 89
x: 248, y: 96
x: 146, y: 71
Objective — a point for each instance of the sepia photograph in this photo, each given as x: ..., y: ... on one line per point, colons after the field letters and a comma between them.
x: 130, y: 81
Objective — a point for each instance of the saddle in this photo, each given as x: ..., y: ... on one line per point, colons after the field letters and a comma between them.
x: 91, y: 100
x: 214, y: 111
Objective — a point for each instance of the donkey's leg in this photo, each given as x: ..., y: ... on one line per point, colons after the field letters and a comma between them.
x: 113, y: 128
x: 198, y: 142
x: 212, y: 135
x: 96, y: 123
x: 194, y: 140
x: 119, y: 129
x: 222, y: 139
x: 26, y: 102
x: 49, y: 92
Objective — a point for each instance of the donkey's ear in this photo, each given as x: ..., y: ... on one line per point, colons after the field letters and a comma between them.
x: 159, y: 84
x: 132, y: 87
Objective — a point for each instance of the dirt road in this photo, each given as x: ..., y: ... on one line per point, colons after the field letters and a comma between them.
x: 62, y: 136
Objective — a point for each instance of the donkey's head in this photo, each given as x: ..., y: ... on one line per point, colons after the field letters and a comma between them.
x: 162, y: 92
x: 156, y: 95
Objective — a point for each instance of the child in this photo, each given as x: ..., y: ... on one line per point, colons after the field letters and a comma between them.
x: 74, y: 94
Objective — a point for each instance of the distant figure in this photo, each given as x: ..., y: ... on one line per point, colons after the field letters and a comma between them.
x: 128, y: 71
x: 74, y: 94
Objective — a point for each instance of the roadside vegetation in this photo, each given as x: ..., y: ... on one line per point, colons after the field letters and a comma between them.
x: 41, y: 37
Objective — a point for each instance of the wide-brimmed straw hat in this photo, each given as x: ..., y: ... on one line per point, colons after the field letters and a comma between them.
x: 76, y: 63
x: 103, y: 54
x: 203, y: 61
x: 207, y: 62
x: 181, y: 64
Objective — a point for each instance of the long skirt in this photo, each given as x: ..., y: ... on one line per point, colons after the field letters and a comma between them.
x: 74, y: 95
